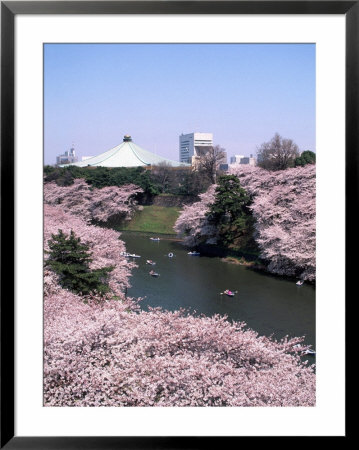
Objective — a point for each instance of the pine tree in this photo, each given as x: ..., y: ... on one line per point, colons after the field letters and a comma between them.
x: 70, y: 259
x: 230, y: 213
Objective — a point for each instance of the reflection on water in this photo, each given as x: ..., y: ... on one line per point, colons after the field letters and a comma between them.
x: 269, y: 305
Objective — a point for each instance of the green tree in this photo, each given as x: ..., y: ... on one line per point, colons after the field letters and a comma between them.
x: 70, y: 259
x: 99, y: 177
x: 307, y: 157
x: 230, y: 213
x: 59, y: 175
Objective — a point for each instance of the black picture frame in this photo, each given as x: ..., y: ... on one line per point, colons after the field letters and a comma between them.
x: 9, y: 9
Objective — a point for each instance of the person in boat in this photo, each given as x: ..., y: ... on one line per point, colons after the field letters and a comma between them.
x: 228, y: 292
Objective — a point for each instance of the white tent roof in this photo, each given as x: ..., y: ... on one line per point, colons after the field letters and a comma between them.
x: 127, y: 154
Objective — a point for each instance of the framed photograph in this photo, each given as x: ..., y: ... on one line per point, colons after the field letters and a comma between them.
x: 175, y: 182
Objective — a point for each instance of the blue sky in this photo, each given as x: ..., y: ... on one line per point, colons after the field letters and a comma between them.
x: 242, y: 93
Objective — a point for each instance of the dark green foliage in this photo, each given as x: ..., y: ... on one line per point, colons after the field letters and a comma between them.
x: 119, y: 176
x: 307, y: 157
x: 70, y: 259
x: 193, y: 183
x: 231, y: 215
x: 64, y: 176
x: 160, y: 179
x: 100, y: 177
x: 179, y: 180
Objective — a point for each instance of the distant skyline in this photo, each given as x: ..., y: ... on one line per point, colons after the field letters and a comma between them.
x: 94, y: 94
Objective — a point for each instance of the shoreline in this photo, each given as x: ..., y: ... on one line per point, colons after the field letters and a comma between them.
x: 243, y: 262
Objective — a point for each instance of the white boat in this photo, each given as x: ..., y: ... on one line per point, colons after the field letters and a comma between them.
x: 193, y: 253
x: 299, y: 283
x: 133, y: 255
x: 149, y: 261
x: 154, y: 239
x: 308, y: 351
x: 154, y: 274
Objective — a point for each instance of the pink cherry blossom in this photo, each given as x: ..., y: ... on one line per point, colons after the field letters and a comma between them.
x: 193, y: 225
x: 108, y: 352
x: 91, y: 203
x: 104, y: 244
x: 284, y: 209
x: 285, y: 213
x: 102, y: 354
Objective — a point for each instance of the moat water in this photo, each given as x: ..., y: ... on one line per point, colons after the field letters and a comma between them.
x: 268, y: 304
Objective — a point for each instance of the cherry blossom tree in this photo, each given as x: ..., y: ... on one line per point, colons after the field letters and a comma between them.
x: 193, y: 224
x: 104, y: 244
x: 101, y: 354
x: 283, y: 206
x: 105, y: 351
x: 91, y: 203
x: 284, y: 209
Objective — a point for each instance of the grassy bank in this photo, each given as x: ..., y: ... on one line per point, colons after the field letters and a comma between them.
x: 153, y: 219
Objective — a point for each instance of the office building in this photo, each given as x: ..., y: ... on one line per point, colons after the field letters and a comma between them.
x: 193, y: 145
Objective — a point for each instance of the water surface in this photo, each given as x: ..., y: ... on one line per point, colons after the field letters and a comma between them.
x: 269, y: 305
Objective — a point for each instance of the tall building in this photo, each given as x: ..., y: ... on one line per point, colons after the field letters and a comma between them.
x: 193, y: 144
x: 69, y: 157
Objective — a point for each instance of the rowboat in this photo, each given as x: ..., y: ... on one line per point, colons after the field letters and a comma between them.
x: 128, y: 255
x: 154, y: 274
x: 229, y: 293
x: 299, y: 283
x: 308, y: 351
x: 149, y: 261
